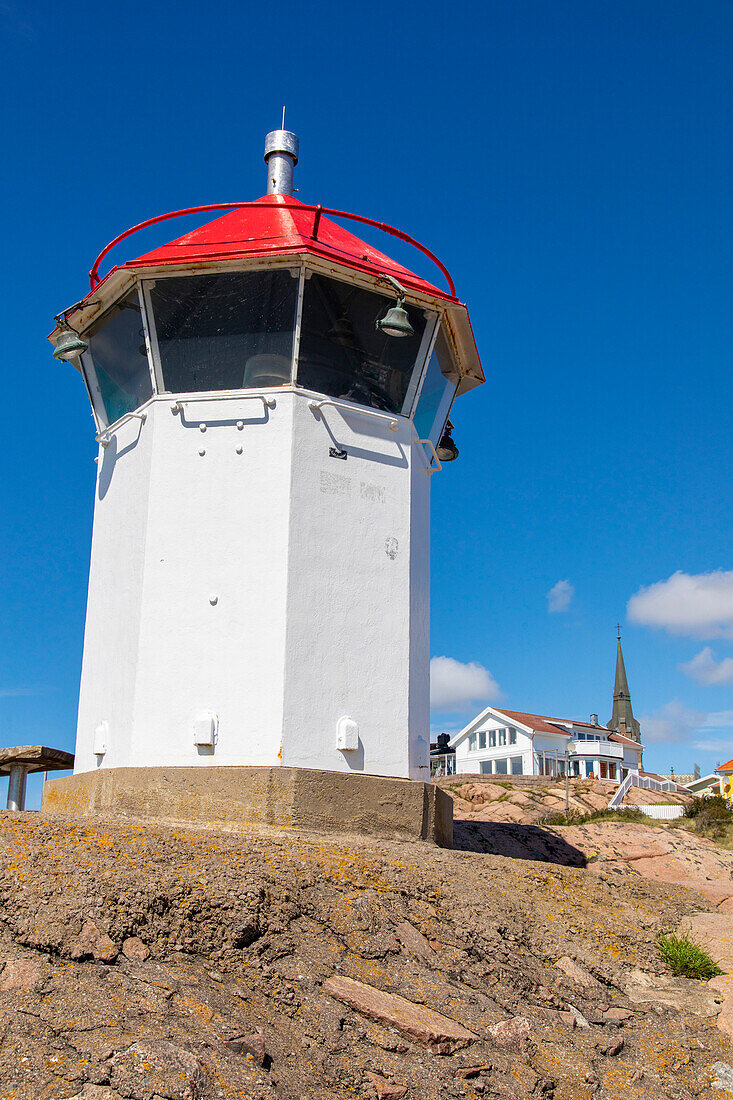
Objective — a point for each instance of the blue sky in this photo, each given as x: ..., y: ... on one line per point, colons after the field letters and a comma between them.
x: 570, y: 163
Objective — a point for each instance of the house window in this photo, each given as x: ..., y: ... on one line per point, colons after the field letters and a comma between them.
x: 492, y: 739
x: 589, y: 769
x: 501, y: 766
x: 513, y: 739
x: 472, y: 742
x: 486, y: 767
x: 482, y: 739
x: 502, y: 737
x: 516, y: 765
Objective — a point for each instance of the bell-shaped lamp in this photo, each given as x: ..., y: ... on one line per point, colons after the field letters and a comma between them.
x: 396, y: 322
x: 446, y: 449
x: 69, y: 345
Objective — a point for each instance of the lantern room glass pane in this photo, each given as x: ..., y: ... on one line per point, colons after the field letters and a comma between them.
x: 436, y: 395
x: 225, y: 332
x: 342, y: 352
x: 118, y: 358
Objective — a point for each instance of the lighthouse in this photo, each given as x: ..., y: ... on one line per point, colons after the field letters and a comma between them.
x: 270, y: 395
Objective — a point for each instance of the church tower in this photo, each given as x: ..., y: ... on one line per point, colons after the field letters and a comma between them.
x: 622, y: 720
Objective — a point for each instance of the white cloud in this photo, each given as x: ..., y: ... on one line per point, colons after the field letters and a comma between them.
x: 723, y: 748
x: 706, y: 670
x: 12, y: 693
x: 719, y: 720
x: 674, y: 722
x: 454, y: 685
x: 714, y: 723
x: 560, y: 596
x: 698, y: 605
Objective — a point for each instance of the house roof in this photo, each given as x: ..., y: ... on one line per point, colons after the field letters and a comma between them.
x: 727, y: 767
x: 701, y: 782
x: 588, y: 725
x: 537, y: 723
x: 540, y: 723
x: 543, y: 723
x: 625, y: 741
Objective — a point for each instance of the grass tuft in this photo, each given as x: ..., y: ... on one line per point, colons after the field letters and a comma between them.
x: 712, y: 808
x: 711, y: 817
x: 686, y: 958
x: 630, y: 814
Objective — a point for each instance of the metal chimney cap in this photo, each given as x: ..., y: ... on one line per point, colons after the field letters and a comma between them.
x: 281, y: 141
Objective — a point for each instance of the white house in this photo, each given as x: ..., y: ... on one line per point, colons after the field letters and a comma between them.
x: 510, y: 742
x: 702, y: 785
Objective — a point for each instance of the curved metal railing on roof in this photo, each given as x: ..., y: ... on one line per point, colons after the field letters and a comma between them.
x: 317, y: 211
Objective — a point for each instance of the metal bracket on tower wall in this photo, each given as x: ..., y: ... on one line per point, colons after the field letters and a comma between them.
x: 105, y: 437
x: 429, y: 467
x: 267, y: 401
x: 392, y: 424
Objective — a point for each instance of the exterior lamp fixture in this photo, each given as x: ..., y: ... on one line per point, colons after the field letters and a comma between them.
x: 447, y: 450
x: 69, y: 344
x: 395, y: 321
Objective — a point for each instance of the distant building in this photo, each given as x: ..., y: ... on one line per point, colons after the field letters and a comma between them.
x: 684, y: 779
x: 510, y: 742
x: 725, y: 771
x: 622, y: 720
x: 442, y: 757
x: 700, y: 785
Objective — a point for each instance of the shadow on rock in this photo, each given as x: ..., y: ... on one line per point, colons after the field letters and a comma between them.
x: 500, y: 838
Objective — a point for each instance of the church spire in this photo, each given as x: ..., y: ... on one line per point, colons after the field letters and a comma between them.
x: 622, y: 720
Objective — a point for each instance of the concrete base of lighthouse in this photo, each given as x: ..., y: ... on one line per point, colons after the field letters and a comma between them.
x: 282, y: 798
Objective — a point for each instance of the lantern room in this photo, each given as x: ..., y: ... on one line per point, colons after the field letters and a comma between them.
x: 261, y: 387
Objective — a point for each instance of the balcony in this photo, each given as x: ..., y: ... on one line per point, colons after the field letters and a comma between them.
x: 596, y: 750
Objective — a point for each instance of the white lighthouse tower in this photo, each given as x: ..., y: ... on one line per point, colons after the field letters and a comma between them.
x: 270, y: 395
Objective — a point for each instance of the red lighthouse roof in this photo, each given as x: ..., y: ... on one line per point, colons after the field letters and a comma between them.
x: 277, y: 225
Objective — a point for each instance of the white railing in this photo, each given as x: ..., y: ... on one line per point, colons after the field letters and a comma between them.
x: 621, y: 793
x: 662, y: 813
x: 633, y: 779
x: 597, y: 747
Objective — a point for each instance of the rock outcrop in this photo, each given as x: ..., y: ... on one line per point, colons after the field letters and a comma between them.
x: 142, y: 962
x: 526, y: 800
